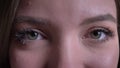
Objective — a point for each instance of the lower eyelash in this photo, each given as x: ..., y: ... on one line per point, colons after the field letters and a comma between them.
x: 19, y: 38
x: 20, y: 35
x: 107, y: 31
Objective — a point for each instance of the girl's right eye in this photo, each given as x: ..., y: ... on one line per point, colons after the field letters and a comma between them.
x: 29, y: 35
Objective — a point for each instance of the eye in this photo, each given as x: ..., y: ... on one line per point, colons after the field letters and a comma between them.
x: 29, y: 35
x: 99, y: 34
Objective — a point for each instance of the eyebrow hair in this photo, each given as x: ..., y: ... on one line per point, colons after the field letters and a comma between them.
x: 41, y: 21
x: 31, y: 20
x: 107, y: 17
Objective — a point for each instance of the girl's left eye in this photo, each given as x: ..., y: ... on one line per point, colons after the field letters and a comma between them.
x: 99, y: 34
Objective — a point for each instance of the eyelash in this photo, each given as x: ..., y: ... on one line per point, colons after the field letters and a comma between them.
x: 26, y: 35
x: 106, y: 33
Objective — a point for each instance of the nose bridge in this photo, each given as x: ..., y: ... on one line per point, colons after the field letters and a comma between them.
x: 66, y: 54
x: 68, y: 51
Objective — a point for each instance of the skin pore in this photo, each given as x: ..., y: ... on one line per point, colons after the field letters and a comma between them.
x: 65, y: 34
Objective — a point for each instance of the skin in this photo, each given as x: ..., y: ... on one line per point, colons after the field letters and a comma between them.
x: 66, y: 25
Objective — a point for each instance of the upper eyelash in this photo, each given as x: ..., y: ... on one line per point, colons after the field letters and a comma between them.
x: 104, y: 29
x: 109, y: 33
x: 20, y: 35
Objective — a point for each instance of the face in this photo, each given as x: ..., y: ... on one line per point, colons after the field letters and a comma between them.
x: 65, y: 34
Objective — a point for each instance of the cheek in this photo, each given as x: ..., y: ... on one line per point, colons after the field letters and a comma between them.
x: 31, y: 58
x: 107, y: 59
x: 27, y: 59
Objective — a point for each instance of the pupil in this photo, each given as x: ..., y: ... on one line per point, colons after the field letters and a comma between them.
x: 96, y: 34
x: 32, y: 35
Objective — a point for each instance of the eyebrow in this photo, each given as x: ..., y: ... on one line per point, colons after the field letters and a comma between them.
x: 41, y: 21
x: 31, y: 20
x: 107, y: 17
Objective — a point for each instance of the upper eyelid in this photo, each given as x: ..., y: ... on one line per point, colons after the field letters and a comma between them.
x: 31, y: 21
x: 89, y: 29
x: 25, y: 25
x: 30, y: 29
x: 101, y: 27
x: 38, y: 31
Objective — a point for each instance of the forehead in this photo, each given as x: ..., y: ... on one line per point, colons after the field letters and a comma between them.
x: 68, y: 2
x: 66, y: 9
x: 94, y: 6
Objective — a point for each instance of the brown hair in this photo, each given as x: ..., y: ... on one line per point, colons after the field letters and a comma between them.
x: 7, y: 14
x: 118, y: 20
